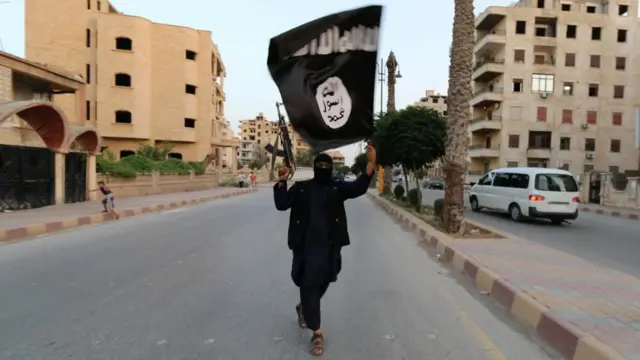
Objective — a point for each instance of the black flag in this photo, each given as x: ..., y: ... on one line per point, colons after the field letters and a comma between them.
x: 326, y: 72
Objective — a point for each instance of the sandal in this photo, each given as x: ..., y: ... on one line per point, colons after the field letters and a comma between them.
x: 317, y: 345
x: 301, y: 322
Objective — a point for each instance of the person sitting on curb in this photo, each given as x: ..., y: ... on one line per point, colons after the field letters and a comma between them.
x: 109, y: 199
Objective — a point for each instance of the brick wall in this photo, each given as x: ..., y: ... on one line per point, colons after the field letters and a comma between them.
x: 5, y: 84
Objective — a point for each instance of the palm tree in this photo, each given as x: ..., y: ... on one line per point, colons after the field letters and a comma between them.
x: 458, y: 113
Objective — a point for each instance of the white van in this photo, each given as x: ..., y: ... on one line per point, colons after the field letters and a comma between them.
x: 528, y: 192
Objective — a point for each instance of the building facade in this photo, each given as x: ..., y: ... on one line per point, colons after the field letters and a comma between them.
x: 147, y: 83
x: 433, y: 100
x: 337, y: 157
x: 46, y: 156
x: 257, y: 133
x: 554, y: 85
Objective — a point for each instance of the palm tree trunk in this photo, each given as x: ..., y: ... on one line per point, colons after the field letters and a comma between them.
x: 458, y: 113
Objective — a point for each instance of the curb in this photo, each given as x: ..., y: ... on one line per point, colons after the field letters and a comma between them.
x: 74, y: 222
x: 618, y: 214
x: 572, y: 343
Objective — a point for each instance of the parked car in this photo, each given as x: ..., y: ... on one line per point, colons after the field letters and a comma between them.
x: 338, y: 177
x: 528, y: 192
x: 434, y: 183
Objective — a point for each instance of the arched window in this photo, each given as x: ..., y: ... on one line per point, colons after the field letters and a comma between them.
x: 175, y: 156
x: 125, y: 153
x: 123, y: 117
x: 123, y: 80
x: 124, y: 43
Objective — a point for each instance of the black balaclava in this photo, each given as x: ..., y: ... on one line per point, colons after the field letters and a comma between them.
x: 320, y: 174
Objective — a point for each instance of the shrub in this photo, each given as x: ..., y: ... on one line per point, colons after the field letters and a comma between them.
x: 197, y: 167
x: 413, y: 197
x: 173, y: 166
x: 139, y: 163
x: 398, y: 191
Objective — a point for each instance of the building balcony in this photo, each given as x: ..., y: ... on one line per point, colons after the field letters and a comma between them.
x: 490, y: 42
x: 482, y: 151
x: 486, y: 70
x: 548, y: 41
x: 539, y: 153
x: 487, y: 96
x: 485, y: 124
x: 491, y: 17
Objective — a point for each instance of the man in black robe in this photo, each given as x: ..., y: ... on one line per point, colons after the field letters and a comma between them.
x: 317, y: 232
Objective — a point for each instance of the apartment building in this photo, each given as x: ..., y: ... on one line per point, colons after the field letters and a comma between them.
x: 433, y: 100
x: 555, y: 85
x: 337, y: 157
x: 257, y: 133
x: 147, y: 83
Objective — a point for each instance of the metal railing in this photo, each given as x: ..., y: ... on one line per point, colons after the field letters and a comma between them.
x: 492, y: 89
x: 496, y: 118
x: 483, y: 147
x: 480, y: 63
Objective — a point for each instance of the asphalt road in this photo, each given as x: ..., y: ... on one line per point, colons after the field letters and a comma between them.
x: 212, y: 282
x: 605, y: 240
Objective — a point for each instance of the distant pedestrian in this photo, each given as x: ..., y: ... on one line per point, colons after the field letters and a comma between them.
x: 109, y: 201
x: 241, y: 180
x: 254, y: 179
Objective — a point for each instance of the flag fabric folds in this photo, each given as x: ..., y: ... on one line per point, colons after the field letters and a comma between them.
x: 325, y: 71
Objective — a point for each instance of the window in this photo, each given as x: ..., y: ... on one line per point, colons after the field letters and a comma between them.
x: 567, y: 116
x: 521, y: 27
x: 541, y: 31
x: 542, y: 83
x: 175, y: 156
x: 517, y: 85
x: 486, y: 180
x: 591, y: 9
x: 514, y: 141
x: 566, y: 7
x: 556, y: 182
x: 622, y: 36
x: 623, y: 10
x: 88, y: 4
x: 618, y: 91
x: 565, y: 143
x: 189, y: 123
x: 88, y: 75
x: 88, y: 40
x: 570, y: 60
x: 588, y: 168
x: 124, y: 43
x: 540, y: 4
x: 572, y: 31
x: 621, y: 63
x: 594, y: 61
x: 87, y: 110
x: 190, y: 55
x: 99, y: 5
x: 539, y: 59
x: 190, y: 89
x: 589, y: 144
x: 518, y: 56
x: 567, y: 88
x: 593, y: 90
x: 542, y: 113
x: 614, y: 169
x: 596, y: 33
x: 615, y: 145
x: 511, y: 164
x: 123, y: 117
x: 125, y: 153
x: 520, y: 181
x: 123, y: 80
x: 616, y: 119
x: 592, y: 117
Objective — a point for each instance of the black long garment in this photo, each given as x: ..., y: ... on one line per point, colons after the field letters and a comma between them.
x: 318, y: 262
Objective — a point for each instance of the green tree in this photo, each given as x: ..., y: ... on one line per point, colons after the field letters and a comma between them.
x: 304, y: 158
x: 343, y: 169
x: 412, y: 138
x: 157, y: 153
x: 360, y: 164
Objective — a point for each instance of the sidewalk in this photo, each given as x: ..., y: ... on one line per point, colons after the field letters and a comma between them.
x: 615, y: 211
x: 583, y: 311
x: 20, y: 224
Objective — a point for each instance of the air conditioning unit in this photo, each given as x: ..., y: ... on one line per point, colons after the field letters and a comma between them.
x: 544, y: 95
x: 589, y: 156
x: 585, y: 126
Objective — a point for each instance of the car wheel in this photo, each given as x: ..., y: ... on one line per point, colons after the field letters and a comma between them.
x: 475, y: 205
x: 515, y: 213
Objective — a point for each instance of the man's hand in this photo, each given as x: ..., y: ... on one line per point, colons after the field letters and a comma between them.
x: 371, y: 152
x: 283, y: 173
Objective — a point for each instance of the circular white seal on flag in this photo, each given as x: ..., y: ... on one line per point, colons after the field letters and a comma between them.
x: 334, y: 102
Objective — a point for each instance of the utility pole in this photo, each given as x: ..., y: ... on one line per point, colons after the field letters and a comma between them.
x: 392, y: 74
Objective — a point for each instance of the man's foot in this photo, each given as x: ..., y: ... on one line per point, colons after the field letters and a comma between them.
x: 301, y: 322
x: 317, y: 344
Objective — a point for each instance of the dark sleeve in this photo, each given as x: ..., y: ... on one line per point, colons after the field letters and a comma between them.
x: 283, y: 197
x: 356, y: 188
